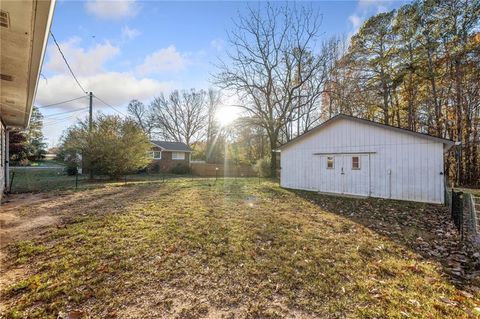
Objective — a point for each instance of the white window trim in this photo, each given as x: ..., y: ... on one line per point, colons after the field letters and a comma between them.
x: 333, y: 162
x: 178, y: 159
x: 152, y: 155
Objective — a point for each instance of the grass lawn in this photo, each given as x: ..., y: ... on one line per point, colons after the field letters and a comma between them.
x: 238, y: 248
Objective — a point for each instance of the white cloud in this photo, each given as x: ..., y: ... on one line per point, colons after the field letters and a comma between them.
x: 112, y: 9
x: 365, y: 9
x: 163, y: 60
x: 83, y: 61
x: 371, y: 3
x: 217, y: 44
x: 116, y: 88
x: 356, y: 22
x: 129, y: 34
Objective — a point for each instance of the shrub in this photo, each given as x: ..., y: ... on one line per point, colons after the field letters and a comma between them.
x: 24, y: 162
x: 71, y: 170
x: 262, y: 167
x: 113, y: 147
x: 181, y: 169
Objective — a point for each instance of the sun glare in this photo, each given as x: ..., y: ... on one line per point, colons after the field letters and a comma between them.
x: 225, y: 115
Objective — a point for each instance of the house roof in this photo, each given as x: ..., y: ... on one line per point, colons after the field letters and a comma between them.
x: 24, y: 35
x: 172, y: 146
x: 446, y: 142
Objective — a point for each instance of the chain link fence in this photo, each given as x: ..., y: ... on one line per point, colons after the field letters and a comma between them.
x: 27, y: 180
x: 463, y: 210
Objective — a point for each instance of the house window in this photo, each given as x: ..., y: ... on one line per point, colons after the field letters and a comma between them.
x: 156, y: 155
x: 178, y: 156
x: 355, y: 162
x: 330, y: 162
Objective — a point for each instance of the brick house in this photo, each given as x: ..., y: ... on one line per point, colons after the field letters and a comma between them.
x: 167, y: 155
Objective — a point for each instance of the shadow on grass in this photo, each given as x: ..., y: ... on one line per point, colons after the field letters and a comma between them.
x: 425, y: 229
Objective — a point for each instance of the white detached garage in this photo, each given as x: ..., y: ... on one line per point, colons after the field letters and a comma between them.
x: 349, y: 155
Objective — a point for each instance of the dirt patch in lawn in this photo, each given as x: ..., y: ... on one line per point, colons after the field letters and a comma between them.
x: 235, y: 249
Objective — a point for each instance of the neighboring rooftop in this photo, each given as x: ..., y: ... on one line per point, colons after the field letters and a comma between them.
x: 172, y: 146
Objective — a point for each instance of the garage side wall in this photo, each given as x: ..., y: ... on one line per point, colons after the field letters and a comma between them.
x: 401, y: 166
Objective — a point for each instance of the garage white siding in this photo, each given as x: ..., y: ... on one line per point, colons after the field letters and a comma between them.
x: 393, y: 164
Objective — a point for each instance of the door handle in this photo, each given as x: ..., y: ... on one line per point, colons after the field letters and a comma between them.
x: 342, y: 172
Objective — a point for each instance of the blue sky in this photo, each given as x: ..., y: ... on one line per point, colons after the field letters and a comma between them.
x: 127, y: 49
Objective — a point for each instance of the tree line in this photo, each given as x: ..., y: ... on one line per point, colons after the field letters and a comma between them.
x: 417, y: 68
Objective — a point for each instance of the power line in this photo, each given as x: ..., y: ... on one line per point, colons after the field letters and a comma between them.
x: 66, y: 62
x: 61, y: 113
x: 63, y: 102
x: 109, y: 105
x: 61, y: 119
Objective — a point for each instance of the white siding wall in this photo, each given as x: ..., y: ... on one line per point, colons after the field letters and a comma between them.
x: 415, y: 163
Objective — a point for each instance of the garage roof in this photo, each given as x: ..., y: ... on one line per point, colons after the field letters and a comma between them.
x: 446, y: 142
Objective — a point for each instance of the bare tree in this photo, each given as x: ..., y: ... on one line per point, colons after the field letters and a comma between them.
x: 213, y: 129
x: 181, y: 116
x: 272, y: 67
x: 143, y: 116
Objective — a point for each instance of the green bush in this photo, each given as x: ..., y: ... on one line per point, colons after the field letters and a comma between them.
x: 181, y: 169
x: 71, y: 170
x: 262, y: 167
x: 113, y: 146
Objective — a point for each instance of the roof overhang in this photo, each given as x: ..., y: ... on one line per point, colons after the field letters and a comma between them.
x: 447, y: 144
x: 24, y: 39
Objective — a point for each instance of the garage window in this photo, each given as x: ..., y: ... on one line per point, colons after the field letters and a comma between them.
x: 329, y: 162
x: 355, y: 162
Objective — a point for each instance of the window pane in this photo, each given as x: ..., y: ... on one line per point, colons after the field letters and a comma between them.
x: 355, y: 162
x: 330, y: 162
x: 178, y: 155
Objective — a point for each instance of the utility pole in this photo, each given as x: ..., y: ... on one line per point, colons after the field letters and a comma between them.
x: 90, y: 111
x: 90, y: 125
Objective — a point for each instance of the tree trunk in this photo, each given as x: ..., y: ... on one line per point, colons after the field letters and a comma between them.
x: 273, y: 147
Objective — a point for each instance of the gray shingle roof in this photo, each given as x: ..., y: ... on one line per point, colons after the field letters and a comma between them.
x: 172, y: 146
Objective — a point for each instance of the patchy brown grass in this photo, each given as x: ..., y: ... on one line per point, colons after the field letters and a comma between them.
x: 240, y: 249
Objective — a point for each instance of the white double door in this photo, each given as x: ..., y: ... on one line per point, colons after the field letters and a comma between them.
x: 345, y: 177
